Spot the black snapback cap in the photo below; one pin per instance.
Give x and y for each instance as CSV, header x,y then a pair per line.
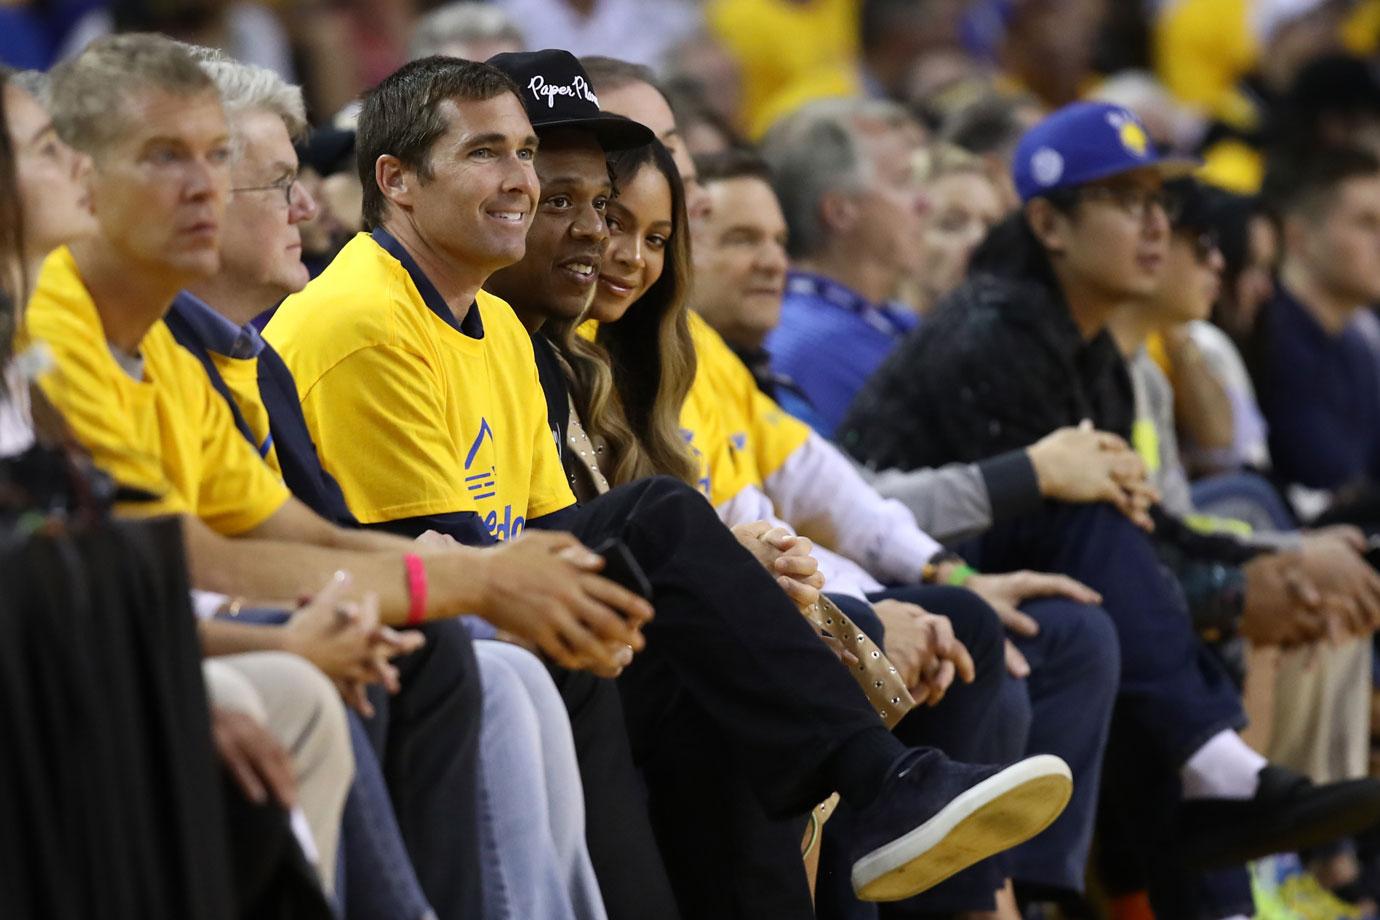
x,y
557,93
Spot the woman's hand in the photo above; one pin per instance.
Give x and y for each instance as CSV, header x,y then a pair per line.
x,y
347,643
787,556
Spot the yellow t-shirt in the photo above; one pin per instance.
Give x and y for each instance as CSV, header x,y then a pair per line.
x,y
241,376
724,471
790,52
1361,32
1202,49
761,435
169,434
411,415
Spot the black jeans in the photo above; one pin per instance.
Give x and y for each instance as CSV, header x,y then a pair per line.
x,y
427,740
733,672
618,831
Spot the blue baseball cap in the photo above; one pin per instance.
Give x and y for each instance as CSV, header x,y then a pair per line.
x,y
1084,142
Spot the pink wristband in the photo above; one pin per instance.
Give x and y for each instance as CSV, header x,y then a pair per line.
x,y
416,589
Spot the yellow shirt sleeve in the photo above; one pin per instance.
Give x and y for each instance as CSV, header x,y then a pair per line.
x,y
389,454
236,490
723,472
168,434
1361,32
1232,165
789,53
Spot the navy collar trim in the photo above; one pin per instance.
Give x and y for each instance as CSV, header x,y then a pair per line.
x,y
215,331
879,316
473,324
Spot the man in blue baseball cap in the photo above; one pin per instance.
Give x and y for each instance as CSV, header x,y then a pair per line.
x,y
1021,349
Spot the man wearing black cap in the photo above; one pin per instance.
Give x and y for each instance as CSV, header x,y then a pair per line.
x,y
422,394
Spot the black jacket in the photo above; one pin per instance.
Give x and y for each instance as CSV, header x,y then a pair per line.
x,y
999,365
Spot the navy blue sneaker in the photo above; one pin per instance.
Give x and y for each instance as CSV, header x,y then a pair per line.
x,y
935,817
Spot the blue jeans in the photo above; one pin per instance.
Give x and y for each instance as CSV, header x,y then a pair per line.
x,y
1075,668
1173,695
536,861
419,829
376,881
427,739
1173,690
533,859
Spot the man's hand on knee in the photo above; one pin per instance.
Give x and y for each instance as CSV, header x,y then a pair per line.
x,y
260,765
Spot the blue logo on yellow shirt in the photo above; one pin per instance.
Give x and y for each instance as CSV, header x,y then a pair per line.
x,y
703,482
483,484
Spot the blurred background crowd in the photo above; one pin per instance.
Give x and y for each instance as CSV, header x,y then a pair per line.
x,y
1227,80
1220,76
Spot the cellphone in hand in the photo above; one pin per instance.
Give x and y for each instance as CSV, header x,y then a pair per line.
x,y
621,568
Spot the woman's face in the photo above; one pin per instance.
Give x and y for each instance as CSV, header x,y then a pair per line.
x,y
1192,279
639,222
1256,282
52,178
963,207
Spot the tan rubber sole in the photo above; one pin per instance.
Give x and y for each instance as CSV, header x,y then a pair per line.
x,y
928,855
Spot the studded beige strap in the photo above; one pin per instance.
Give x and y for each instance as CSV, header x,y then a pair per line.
x,y
586,453
876,675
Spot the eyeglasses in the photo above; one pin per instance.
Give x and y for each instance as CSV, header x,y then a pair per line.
x,y
1134,200
284,185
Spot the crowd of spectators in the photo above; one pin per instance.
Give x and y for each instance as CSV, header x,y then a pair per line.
x,y
841,459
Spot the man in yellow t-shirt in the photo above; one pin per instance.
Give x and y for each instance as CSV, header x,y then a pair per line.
x,y
379,356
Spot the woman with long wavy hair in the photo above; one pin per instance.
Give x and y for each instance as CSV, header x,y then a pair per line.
x,y
632,366
44,203
11,232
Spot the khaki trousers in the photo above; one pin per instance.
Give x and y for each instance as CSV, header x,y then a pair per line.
x,y
301,708
1310,708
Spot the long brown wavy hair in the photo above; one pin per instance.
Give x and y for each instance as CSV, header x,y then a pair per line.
x,y
11,235
631,381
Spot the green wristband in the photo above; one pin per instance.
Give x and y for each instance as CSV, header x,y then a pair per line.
x,y
960,574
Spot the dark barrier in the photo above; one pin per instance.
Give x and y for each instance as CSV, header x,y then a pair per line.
x,y
110,800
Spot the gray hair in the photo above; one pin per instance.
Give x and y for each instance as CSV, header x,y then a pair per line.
x,y
813,152
941,159
87,93
459,24
250,88
33,82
